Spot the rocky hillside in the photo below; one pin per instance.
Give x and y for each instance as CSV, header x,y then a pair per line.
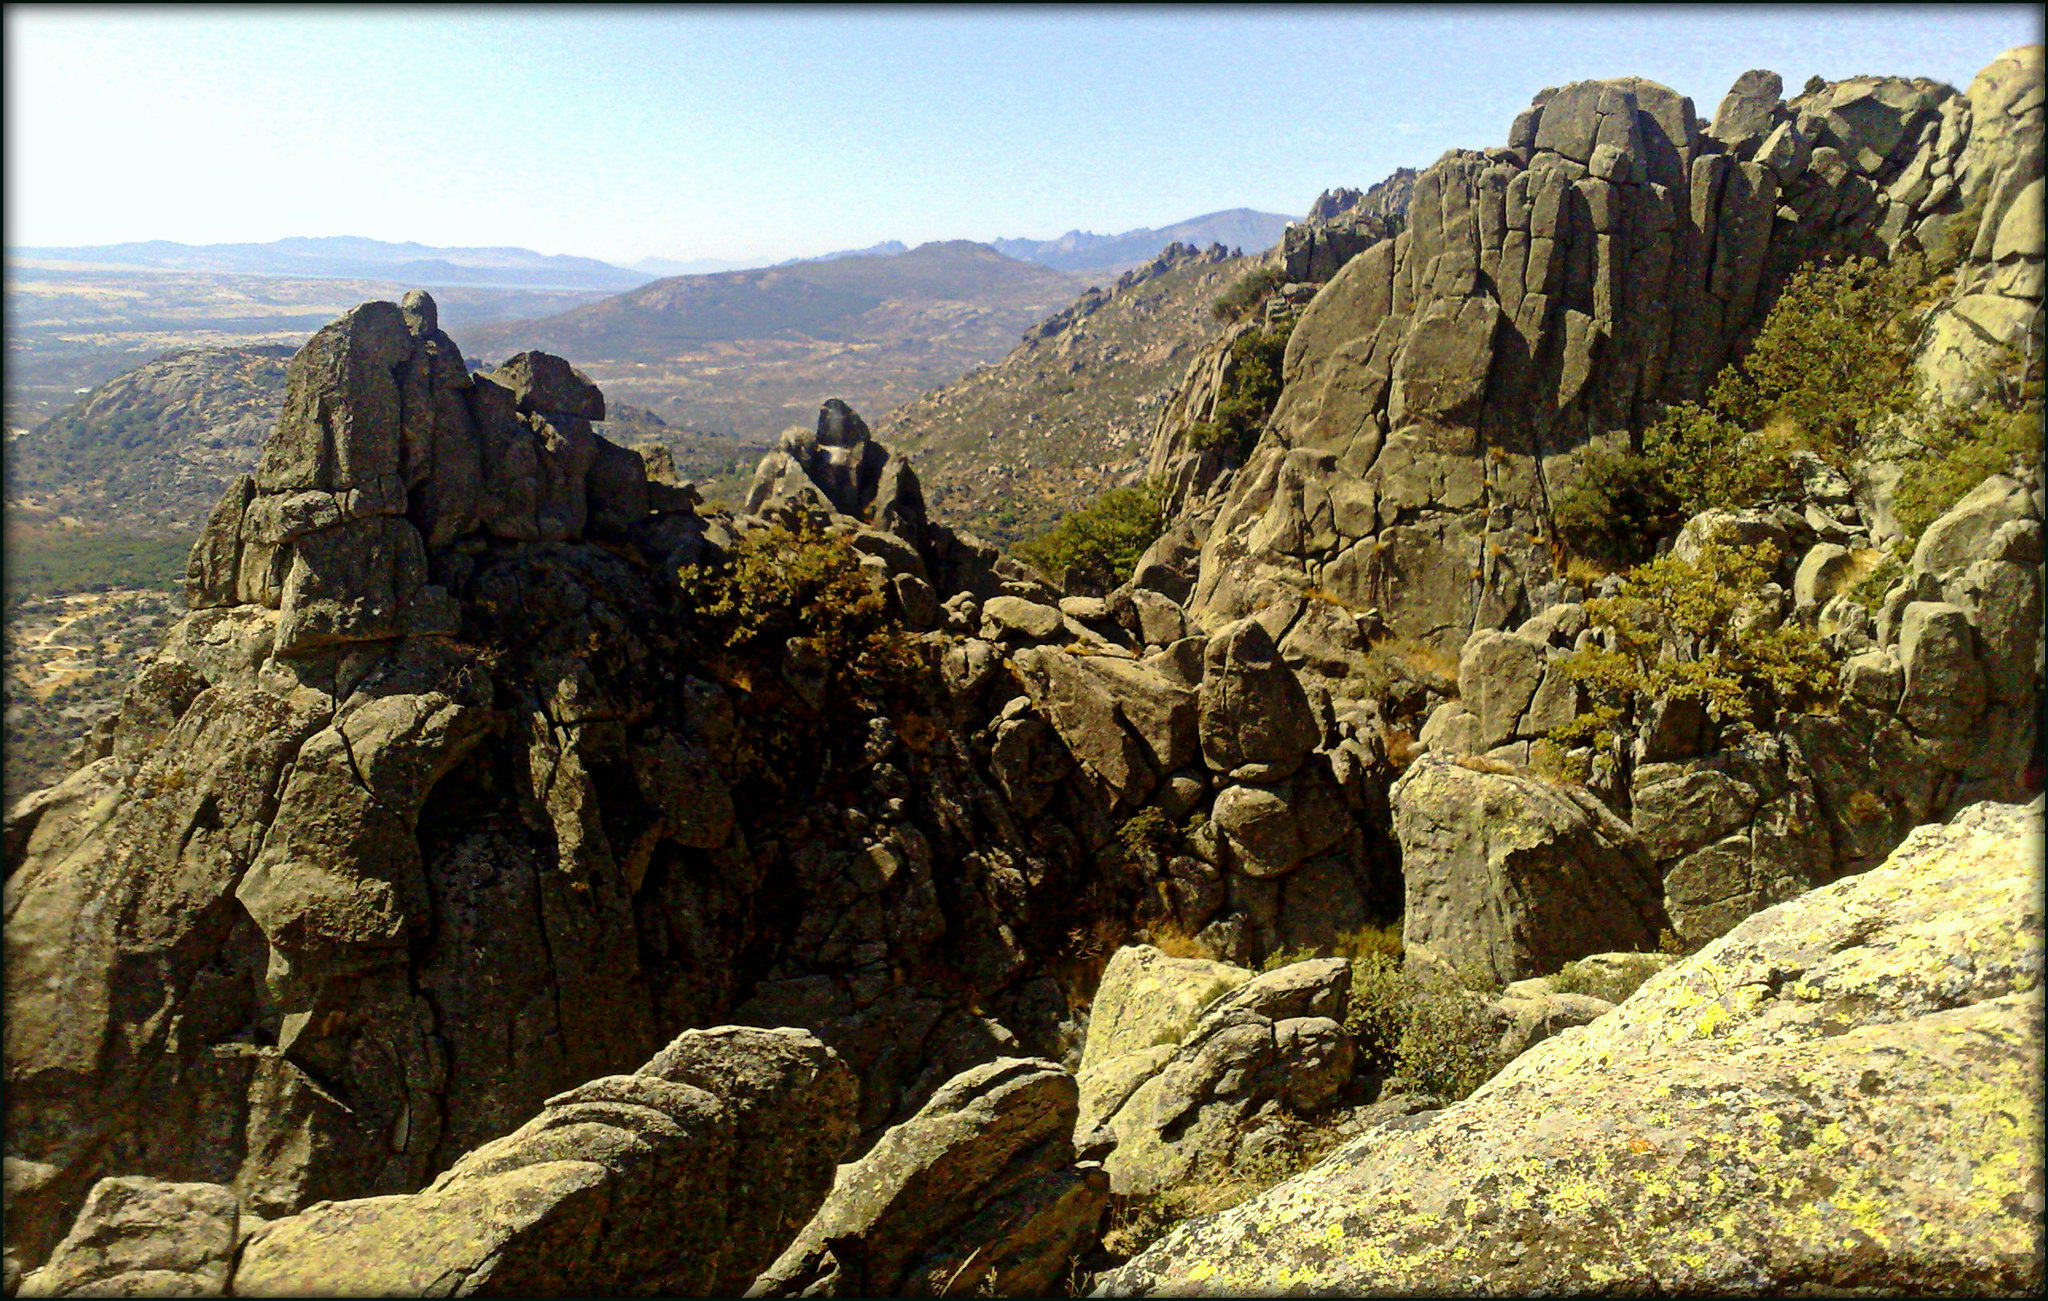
x,y
149,452
508,849
747,352
1009,448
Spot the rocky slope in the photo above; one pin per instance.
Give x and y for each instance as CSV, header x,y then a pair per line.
x,y
1793,1108
150,451
1009,448
487,763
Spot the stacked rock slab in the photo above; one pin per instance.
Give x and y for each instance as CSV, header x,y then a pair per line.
x,y
1825,1099
1607,261
979,1193
683,1178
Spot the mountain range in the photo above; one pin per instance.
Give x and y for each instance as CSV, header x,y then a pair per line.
x,y
359,258
1078,250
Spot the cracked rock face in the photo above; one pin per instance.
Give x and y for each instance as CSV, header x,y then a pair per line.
x,y
1607,261
1767,1115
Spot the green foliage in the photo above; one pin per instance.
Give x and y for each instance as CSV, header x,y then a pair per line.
x,y
1149,832
1611,981
1695,630
46,563
1103,541
1868,591
805,589
1287,956
1428,1027
1946,450
1616,507
1833,357
1831,364
1449,1046
1247,292
1251,388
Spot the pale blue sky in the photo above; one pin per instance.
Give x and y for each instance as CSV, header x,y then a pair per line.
x,y
741,133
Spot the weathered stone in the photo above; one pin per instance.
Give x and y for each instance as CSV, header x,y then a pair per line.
x,y
1255,720
1272,828
1498,674
644,1182
1945,690
1835,1024
144,1237
1275,1039
1964,533
1147,999
1013,616
1512,876
979,1188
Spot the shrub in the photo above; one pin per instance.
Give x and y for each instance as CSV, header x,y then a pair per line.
x,y
1250,389
1102,541
1688,630
1428,1028
1246,293
1149,831
802,587
1613,981
1831,364
1287,956
1833,356
1958,447
1449,1046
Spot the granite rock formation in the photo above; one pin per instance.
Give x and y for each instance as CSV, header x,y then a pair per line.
x,y
1759,1118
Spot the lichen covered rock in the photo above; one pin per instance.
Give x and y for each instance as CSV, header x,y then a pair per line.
x,y
1842,1093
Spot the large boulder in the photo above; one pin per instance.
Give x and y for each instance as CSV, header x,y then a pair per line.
x,y
683,1178
1274,1045
1825,1099
1511,876
1256,724
144,1237
979,1191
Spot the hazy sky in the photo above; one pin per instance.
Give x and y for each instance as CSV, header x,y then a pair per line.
x,y
745,133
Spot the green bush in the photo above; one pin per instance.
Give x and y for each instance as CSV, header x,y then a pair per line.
x,y
1830,365
1616,507
1251,388
802,587
1834,355
1946,450
1611,983
1428,1028
1149,832
1102,541
1689,630
1246,293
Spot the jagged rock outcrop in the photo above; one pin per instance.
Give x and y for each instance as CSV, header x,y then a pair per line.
x,y
686,1177
683,1178
1605,262
979,1192
1760,1118
144,1237
426,812
1510,877
1342,223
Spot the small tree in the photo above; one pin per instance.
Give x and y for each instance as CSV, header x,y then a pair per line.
x,y
1102,541
1695,630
